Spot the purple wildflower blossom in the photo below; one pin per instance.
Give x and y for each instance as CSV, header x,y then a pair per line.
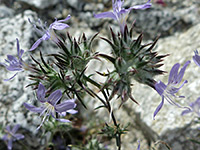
x,y
195,107
12,136
168,91
48,33
196,58
15,64
50,106
121,14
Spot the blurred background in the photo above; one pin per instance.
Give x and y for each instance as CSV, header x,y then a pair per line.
x,y
175,22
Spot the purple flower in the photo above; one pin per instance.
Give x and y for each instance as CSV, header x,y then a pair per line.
x,y
50,107
48,33
196,58
121,14
11,136
168,91
15,63
195,107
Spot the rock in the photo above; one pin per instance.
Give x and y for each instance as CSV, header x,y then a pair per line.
x,y
93,7
14,93
163,22
180,47
6,12
8,3
16,27
169,125
40,4
76,4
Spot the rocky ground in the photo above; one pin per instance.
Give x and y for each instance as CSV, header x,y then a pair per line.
x,y
177,23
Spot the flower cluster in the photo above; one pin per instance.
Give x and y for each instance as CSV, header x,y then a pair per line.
x,y
48,33
168,91
16,64
50,106
12,136
194,106
121,14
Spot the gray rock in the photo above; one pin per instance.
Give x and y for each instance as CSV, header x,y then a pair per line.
x,y
14,93
169,125
176,16
180,47
6,12
93,7
76,4
40,4
164,22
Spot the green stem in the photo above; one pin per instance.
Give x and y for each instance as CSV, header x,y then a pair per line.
x,y
107,105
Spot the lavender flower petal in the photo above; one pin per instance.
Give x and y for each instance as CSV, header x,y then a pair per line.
x,y
19,136
144,6
41,93
158,108
15,128
33,108
19,52
196,58
160,87
186,112
106,15
138,148
8,128
72,111
173,73
64,106
5,137
63,20
10,77
181,73
55,97
60,26
36,44
10,144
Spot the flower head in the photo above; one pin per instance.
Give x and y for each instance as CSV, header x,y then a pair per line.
x,y
48,33
15,63
11,136
50,107
121,14
195,107
196,58
168,91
